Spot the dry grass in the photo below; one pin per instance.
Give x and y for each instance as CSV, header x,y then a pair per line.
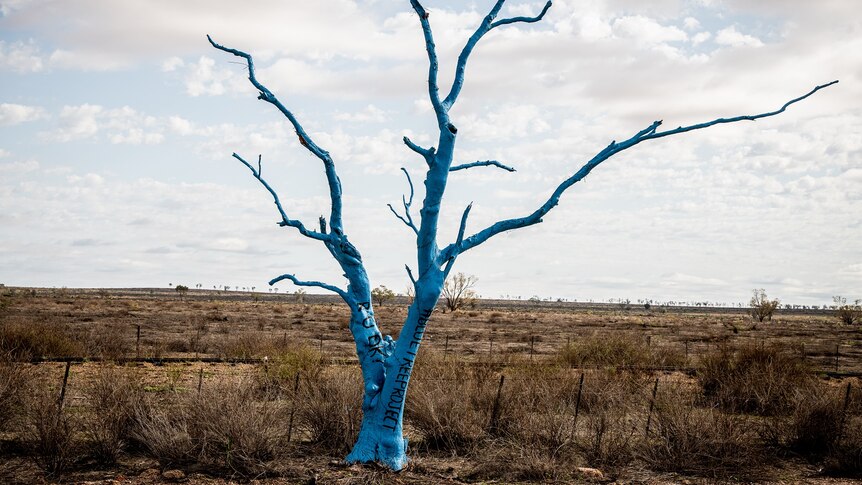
x,y
15,380
330,409
757,379
112,395
689,439
51,433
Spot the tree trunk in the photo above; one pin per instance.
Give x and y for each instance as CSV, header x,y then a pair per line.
x,y
381,437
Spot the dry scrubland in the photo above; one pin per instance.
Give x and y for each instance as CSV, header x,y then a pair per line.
x,y
744,403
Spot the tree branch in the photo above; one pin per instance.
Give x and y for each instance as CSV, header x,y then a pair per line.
x,y
486,25
527,20
450,256
343,294
304,139
648,133
485,163
407,219
285,221
433,89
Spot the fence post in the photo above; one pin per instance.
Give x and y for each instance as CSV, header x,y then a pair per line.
x,y
495,411
138,343
686,352
293,408
63,387
651,406
577,407
446,347
836,356
843,415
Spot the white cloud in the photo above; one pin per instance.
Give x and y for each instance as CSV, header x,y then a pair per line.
x,y
19,167
646,30
13,114
729,36
691,23
371,114
172,64
180,126
122,125
203,79
22,57
4,153
700,37
77,122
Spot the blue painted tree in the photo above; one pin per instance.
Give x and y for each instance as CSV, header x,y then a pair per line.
x,y
386,363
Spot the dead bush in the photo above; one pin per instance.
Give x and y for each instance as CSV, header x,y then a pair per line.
x,y
163,430
50,433
279,372
15,381
443,406
28,339
607,438
845,459
105,341
757,379
330,409
235,431
612,349
112,395
700,441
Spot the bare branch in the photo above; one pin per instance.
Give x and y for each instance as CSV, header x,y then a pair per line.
x,y
486,25
527,20
410,274
407,219
648,133
304,139
285,221
343,294
433,89
485,163
407,222
449,257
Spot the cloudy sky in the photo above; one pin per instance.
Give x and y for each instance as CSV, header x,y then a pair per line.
x,y
117,122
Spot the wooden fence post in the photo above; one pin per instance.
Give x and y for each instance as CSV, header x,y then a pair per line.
x,y
495,411
63,387
651,406
577,407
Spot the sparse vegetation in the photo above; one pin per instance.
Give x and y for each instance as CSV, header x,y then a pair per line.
x,y
848,313
381,295
762,308
458,291
751,406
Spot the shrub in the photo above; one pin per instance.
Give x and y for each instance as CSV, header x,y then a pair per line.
x,y
759,379
848,313
381,295
762,308
112,395
445,406
50,433
612,349
236,432
15,381
163,430
458,291
27,339
688,439
330,409
224,427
